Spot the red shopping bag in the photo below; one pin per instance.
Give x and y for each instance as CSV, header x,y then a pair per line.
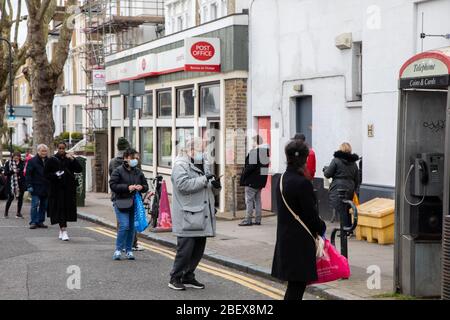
x,y
332,265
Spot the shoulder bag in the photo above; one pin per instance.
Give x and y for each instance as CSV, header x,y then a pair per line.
x,y
320,243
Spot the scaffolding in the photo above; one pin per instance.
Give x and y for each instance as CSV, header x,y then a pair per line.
x,y
110,26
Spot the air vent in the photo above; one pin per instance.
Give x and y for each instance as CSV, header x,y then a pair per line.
x,y
446,259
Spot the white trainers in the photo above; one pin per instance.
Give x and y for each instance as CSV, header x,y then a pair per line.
x,y
60,235
65,236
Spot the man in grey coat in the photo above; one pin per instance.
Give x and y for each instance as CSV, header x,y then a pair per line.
x,y
193,213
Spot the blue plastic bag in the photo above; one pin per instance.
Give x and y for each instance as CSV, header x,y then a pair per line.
x,y
140,218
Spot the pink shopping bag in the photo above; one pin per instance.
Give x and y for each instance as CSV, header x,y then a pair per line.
x,y
332,266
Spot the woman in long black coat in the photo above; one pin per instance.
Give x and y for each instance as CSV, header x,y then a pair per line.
x,y
346,176
295,250
62,202
15,183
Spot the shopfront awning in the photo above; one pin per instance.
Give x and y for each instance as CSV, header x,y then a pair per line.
x,y
427,70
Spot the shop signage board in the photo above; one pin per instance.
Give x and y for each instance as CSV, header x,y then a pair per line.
x,y
197,55
99,79
202,54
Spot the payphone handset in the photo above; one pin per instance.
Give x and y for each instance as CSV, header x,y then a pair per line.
x,y
428,175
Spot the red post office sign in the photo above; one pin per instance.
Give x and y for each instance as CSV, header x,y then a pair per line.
x,y
202,54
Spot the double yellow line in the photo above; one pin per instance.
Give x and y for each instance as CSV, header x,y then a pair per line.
x,y
247,282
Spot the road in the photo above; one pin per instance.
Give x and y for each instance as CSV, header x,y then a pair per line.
x,y
34,264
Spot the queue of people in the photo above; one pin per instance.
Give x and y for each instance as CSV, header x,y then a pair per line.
x,y
50,181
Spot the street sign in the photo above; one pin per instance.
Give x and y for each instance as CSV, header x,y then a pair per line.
x,y
138,87
11,124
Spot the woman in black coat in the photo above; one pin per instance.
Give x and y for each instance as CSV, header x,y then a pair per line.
x,y
62,202
345,174
295,250
15,183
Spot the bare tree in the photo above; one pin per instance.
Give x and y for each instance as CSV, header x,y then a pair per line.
x,y
44,75
9,30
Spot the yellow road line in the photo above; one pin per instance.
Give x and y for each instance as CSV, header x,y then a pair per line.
x,y
233,274
253,284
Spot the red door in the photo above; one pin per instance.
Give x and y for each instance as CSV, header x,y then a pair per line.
x,y
264,132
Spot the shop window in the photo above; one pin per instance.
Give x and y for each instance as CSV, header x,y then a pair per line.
x,y
116,104
165,104
146,149
185,102
133,143
147,107
210,100
165,147
183,136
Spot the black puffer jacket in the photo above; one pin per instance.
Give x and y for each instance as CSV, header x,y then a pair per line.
x,y
122,178
345,174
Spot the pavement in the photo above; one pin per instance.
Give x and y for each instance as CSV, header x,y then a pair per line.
x,y
250,250
35,264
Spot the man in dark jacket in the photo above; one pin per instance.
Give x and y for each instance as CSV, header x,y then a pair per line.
x,y
37,186
254,179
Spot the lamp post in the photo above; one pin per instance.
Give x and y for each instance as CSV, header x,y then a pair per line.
x,y
10,99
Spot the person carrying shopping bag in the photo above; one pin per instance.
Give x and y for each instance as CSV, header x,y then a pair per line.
x,y
295,249
126,181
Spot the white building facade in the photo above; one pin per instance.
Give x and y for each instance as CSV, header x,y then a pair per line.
x,y
330,69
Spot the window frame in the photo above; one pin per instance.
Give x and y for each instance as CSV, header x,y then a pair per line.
x,y
143,115
158,105
177,104
142,146
201,110
159,152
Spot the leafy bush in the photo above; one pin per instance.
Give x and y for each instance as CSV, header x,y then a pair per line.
x,y
77,135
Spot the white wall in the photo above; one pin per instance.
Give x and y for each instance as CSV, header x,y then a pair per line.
x,y
293,42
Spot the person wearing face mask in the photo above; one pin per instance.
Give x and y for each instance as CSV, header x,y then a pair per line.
x,y
125,182
60,171
193,212
116,162
15,185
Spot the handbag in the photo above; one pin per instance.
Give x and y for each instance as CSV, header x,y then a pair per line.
x,y
317,240
332,266
124,204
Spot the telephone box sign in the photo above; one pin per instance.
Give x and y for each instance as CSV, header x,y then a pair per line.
x,y
426,70
202,54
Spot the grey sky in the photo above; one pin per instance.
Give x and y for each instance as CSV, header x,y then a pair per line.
x,y
23,24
